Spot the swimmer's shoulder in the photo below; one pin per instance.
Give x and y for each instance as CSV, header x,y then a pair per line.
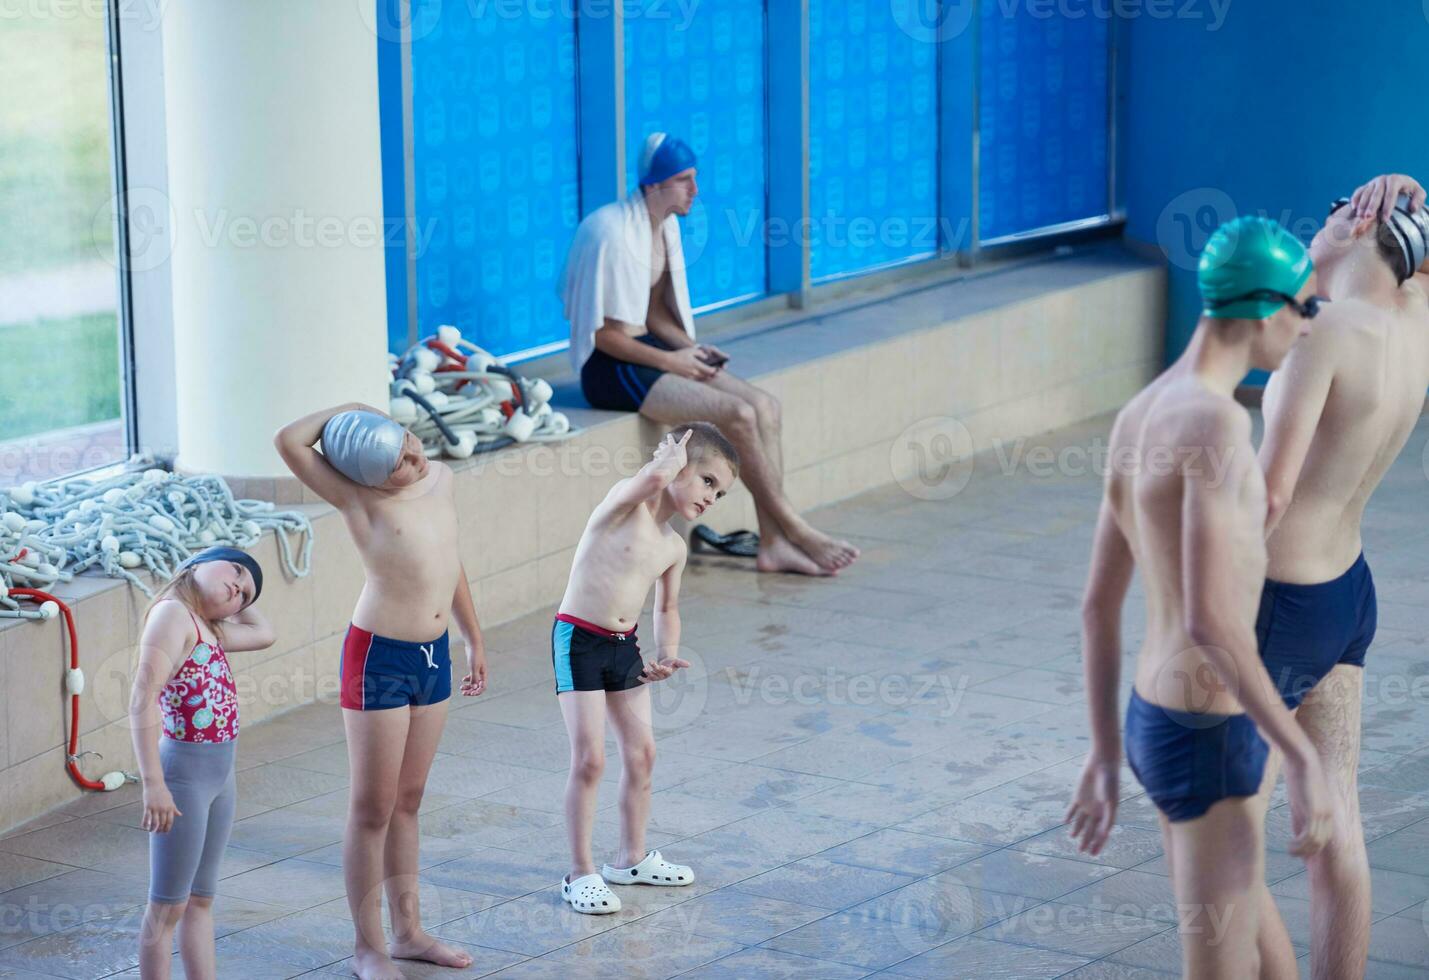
x,y
1190,415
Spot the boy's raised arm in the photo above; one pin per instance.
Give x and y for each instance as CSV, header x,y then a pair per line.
x,y
654,476
295,442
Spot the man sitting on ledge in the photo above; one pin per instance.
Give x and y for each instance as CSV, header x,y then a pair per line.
x,y
633,343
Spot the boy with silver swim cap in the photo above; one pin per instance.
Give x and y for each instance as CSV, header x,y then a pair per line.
x,y
1201,700
400,509
1337,414
363,446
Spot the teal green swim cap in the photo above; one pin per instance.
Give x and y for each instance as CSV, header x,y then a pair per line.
x,y
1246,261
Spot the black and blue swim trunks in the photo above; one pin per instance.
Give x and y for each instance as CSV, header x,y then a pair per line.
x,y
610,383
587,657
378,672
1188,761
1304,631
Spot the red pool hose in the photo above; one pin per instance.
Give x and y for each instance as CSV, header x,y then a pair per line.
x,y
72,760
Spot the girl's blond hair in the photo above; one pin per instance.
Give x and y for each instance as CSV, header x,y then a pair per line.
x,y
182,588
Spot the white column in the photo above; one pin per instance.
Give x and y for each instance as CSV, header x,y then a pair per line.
x,y
274,179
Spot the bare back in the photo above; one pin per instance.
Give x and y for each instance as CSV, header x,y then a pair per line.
x,y
1157,448
620,555
408,544
1379,376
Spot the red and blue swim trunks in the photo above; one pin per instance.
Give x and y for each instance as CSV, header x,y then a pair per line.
x,y
378,672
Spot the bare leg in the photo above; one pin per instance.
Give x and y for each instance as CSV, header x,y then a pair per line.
x,y
376,741
827,551
1339,874
156,939
674,399
630,717
196,939
409,940
1218,871
1277,956
584,712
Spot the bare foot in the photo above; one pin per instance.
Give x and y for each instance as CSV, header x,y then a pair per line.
x,y
829,552
371,964
430,949
779,554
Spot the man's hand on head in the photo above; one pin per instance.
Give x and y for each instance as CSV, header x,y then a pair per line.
x,y
1377,198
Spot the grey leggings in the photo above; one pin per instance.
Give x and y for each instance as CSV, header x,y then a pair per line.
x,y
184,860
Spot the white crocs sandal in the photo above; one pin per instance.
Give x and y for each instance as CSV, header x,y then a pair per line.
x,y
589,894
652,870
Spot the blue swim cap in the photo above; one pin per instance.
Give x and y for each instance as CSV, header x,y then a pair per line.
x,y
225,553
363,446
663,157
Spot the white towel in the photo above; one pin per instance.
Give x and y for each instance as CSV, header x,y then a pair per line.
x,y
607,273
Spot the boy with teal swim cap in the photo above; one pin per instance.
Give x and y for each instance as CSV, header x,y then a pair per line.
x,y
1250,269
1185,502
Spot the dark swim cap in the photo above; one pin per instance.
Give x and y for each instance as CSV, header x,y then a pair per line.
x,y
663,157
1249,264
224,553
1411,233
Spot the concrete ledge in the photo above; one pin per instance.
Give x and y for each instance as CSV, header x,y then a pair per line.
x,y
986,359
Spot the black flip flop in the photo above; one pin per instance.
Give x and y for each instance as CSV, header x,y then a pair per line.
x,y
736,544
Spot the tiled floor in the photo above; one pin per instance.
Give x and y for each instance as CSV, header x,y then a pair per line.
x,y
867,774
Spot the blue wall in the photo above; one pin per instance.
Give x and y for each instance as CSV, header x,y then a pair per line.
x,y
1289,104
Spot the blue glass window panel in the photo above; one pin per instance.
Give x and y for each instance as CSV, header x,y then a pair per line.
x,y
495,164
1043,119
702,79
873,138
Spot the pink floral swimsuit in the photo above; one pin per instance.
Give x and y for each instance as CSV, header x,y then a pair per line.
x,y
200,703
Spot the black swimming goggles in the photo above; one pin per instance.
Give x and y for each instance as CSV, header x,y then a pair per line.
x,y
1308,309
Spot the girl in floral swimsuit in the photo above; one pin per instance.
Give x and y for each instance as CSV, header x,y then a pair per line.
x,y
184,718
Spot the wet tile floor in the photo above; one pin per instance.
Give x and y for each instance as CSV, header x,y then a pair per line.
x,y
866,773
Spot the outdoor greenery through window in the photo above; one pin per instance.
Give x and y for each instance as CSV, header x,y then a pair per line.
x,y
60,375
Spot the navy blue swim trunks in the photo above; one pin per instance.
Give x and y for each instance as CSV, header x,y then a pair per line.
x,y
587,657
381,673
617,385
1304,631
1188,761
